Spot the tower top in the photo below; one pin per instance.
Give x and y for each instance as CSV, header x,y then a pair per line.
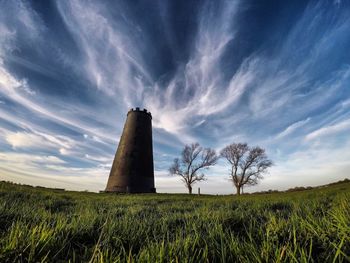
x,y
137,109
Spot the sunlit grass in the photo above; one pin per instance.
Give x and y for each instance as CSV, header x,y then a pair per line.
x,y
39,225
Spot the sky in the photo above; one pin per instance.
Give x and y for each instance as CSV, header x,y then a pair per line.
x,y
270,73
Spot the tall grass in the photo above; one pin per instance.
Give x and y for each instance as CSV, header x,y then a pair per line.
x,y
39,225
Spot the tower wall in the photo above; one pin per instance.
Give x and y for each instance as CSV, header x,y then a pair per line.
x,y
132,170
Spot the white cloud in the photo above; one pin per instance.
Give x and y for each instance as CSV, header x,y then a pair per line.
x,y
6,40
47,159
101,159
38,140
22,158
24,140
293,127
329,130
64,151
7,81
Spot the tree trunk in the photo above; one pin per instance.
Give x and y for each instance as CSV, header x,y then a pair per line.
x,y
238,189
189,189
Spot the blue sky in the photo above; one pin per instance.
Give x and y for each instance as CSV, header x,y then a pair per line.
x,y
270,73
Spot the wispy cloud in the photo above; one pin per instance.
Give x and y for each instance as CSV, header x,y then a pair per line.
x,y
38,140
23,158
343,126
291,128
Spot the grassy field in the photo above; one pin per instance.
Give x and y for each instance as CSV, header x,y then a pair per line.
x,y
41,225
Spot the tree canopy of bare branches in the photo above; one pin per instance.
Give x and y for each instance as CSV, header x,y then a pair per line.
x,y
193,159
247,164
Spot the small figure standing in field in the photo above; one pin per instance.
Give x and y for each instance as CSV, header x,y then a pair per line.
x,y
193,159
247,164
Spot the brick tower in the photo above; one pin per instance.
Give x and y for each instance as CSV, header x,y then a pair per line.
x,y
132,169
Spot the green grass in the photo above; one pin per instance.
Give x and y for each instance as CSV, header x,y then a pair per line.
x,y
39,225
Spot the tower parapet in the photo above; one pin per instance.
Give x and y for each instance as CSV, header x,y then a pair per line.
x,y
137,109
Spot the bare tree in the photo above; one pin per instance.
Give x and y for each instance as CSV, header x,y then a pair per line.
x,y
247,164
193,159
